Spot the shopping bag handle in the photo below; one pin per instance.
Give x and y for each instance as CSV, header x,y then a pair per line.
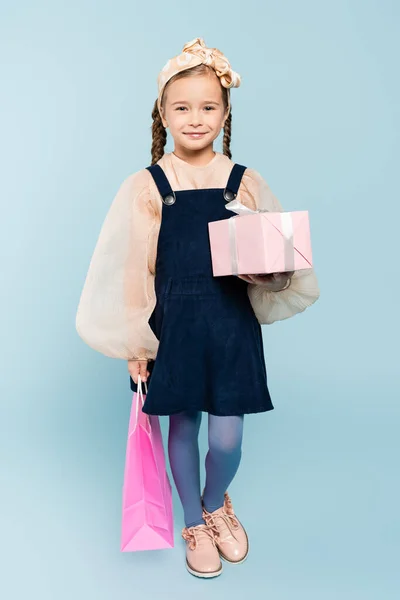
x,y
139,388
140,397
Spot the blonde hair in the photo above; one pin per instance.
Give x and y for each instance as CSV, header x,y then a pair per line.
x,y
159,133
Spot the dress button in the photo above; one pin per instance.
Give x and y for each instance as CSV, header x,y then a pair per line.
x,y
169,199
229,195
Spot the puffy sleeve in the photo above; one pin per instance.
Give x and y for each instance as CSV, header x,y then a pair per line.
x,y
118,295
303,290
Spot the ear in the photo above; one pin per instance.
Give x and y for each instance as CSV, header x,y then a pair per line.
x,y
164,122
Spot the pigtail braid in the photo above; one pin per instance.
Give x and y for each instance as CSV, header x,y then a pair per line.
x,y
159,134
227,136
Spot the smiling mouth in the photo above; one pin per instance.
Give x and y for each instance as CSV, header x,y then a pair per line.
x,y
196,133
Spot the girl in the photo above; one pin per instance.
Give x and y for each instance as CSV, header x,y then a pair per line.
x,y
150,297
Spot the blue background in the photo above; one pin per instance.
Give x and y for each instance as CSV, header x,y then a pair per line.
x,y
318,115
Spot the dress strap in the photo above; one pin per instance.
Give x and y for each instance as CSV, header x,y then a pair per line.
x,y
162,183
235,178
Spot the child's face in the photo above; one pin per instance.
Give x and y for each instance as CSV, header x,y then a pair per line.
x,y
194,105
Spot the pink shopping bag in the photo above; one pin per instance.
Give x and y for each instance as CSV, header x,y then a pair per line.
x,y
147,516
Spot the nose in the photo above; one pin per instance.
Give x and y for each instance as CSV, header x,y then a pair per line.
x,y
195,118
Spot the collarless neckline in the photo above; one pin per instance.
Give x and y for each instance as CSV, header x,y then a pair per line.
x,y
186,164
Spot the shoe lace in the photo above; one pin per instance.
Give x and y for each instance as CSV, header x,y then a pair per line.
x,y
228,508
217,522
226,518
193,535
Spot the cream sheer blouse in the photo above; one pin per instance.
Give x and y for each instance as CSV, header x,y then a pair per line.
x,y
118,295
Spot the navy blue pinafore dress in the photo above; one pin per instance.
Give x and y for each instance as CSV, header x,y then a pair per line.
x,y
210,356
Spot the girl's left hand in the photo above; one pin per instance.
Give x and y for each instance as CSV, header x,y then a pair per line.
x,y
273,282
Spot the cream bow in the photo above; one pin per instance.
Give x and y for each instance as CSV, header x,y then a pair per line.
x,y
215,59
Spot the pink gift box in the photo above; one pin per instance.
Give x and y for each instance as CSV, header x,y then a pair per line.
x,y
261,243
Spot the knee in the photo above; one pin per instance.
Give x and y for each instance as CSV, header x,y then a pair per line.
x,y
229,445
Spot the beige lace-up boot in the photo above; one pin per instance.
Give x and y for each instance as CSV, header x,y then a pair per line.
x,y
202,556
229,534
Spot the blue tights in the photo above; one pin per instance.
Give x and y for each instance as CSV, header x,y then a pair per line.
x,y
222,460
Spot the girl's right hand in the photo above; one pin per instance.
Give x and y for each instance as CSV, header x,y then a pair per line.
x,y
273,282
138,367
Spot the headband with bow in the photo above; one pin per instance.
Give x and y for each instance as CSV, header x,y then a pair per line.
x,y
196,53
